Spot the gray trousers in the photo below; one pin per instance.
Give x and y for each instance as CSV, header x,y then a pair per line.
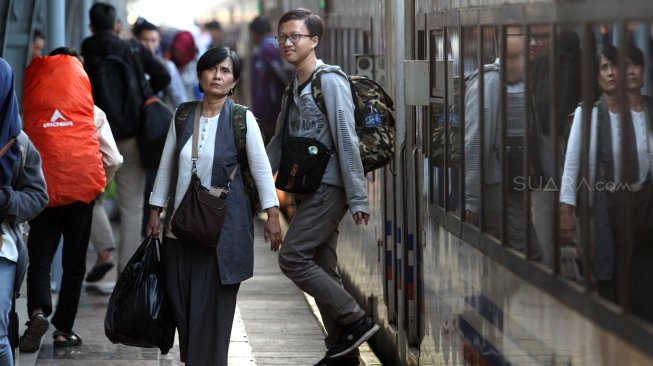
x,y
308,257
101,231
203,307
130,184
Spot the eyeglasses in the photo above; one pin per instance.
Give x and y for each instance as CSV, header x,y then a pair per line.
x,y
294,38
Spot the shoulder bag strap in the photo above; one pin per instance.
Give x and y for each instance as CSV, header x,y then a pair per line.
x,y
196,131
7,147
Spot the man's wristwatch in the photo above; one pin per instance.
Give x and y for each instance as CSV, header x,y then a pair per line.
x,y
156,208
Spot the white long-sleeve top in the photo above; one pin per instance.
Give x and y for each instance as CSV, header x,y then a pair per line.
x,y
111,157
569,186
259,164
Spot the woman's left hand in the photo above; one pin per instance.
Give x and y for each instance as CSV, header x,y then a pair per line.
x,y
272,231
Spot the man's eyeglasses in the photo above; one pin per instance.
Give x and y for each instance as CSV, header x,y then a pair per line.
x,y
294,38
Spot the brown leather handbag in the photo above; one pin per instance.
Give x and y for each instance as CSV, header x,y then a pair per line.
x,y
200,215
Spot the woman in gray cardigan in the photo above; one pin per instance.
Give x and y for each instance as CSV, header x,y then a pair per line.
x,y
22,196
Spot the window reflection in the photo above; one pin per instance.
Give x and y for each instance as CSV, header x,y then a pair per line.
x,y
617,185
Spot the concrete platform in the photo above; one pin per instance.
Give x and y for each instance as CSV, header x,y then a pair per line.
x,y
275,324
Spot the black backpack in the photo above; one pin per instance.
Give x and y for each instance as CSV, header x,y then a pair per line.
x,y
117,91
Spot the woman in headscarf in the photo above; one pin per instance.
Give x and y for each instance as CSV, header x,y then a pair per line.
x,y
22,196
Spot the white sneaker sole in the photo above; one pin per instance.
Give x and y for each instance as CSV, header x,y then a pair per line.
x,y
360,341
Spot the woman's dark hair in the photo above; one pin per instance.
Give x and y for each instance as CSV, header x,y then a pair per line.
x,y
214,56
610,53
103,16
313,22
634,54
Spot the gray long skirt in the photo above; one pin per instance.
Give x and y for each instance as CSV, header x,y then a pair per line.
x,y
203,307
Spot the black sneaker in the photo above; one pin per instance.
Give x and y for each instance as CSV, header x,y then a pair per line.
x,y
353,335
343,361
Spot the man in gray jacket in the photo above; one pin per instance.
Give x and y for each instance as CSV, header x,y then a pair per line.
x,y
518,182
308,256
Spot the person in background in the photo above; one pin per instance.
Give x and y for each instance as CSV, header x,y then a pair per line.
x,y
616,163
515,135
101,232
59,118
148,34
183,53
23,195
173,95
130,178
269,77
203,282
215,30
308,256
38,44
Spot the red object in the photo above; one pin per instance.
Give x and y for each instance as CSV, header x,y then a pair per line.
x,y
58,118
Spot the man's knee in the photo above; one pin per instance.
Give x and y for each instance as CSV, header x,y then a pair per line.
x,y
287,264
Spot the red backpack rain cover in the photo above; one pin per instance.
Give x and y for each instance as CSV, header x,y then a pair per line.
x,y
58,117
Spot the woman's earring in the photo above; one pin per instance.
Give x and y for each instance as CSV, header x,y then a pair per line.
x,y
231,92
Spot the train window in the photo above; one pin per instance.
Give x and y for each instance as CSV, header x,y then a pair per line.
x,y
451,117
602,214
554,89
483,134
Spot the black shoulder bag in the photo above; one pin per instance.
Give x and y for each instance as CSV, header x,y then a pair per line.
x,y
200,215
303,160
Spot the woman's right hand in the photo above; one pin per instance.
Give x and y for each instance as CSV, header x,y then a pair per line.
x,y
153,224
567,224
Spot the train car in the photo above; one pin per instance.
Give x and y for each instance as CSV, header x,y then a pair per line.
x,y
487,283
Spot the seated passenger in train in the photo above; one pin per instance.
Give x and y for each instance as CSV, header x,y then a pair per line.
x,y
517,186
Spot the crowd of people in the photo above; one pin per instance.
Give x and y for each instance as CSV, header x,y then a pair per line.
x,y
58,186
85,135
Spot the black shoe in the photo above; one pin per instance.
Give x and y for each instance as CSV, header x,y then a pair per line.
x,y
30,341
98,271
353,335
343,361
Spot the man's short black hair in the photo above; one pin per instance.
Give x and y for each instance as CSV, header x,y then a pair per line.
x,y
313,22
260,25
103,16
141,25
213,25
39,34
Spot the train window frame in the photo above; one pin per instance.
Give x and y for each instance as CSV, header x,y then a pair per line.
x,y
547,279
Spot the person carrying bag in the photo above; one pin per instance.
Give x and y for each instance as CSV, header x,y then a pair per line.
x,y
208,243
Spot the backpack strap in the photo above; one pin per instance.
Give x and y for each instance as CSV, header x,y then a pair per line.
x,y
239,125
182,112
316,85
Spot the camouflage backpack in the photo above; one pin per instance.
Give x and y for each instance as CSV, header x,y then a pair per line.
x,y
372,112
239,125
